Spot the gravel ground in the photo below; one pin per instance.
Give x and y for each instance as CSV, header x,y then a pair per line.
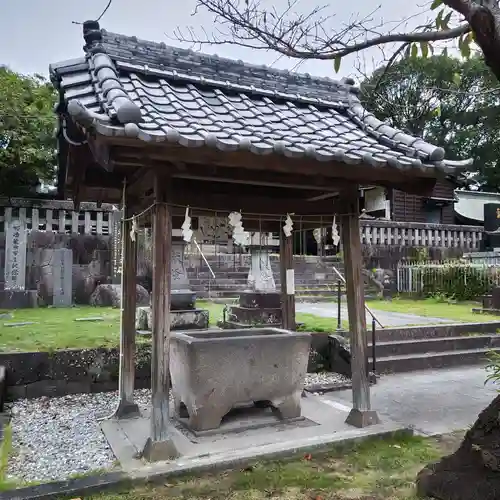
x,y
326,379
55,438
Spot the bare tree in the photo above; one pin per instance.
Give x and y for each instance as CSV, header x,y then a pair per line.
x,y
306,36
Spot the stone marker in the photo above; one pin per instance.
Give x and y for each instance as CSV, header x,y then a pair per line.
x,y
260,304
62,272
181,296
96,318
15,255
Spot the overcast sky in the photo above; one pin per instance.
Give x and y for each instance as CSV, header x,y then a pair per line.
x,y
34,33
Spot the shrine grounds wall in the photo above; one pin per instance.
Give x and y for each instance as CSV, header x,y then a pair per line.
x,y
59,373
91,262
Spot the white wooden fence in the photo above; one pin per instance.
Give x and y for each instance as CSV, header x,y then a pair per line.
x,y
388,233
58,216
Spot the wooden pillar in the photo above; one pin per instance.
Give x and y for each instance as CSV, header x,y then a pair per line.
x,y
287,279
160,445
126,406
361,414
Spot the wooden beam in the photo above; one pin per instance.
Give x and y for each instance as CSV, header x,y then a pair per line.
x,y
160,445
213,173
287,281
361,414
253,201
126,406
78,160
101,152
359,173
141,181
217,173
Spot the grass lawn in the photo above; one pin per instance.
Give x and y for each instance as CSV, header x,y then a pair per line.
x,y
461,311
57,328
373,470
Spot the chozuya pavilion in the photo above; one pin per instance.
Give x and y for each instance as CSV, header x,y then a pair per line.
x,y
161,129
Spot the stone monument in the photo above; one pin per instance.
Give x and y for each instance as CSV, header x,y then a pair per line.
x,y
184,315
62,275
260,304
14,295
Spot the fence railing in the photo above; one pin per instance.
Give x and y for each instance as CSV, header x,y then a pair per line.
x,y
57,216
425,278
413,234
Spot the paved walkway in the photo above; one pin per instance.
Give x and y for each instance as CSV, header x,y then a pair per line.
x,y
432,401
329,310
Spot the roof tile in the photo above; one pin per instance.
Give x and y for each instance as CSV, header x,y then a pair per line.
x,y
196,100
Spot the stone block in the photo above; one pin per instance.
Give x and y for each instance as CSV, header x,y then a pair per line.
x,y
260,300
193,319
18,299
340,356
254,316
180,300
217,370
109,295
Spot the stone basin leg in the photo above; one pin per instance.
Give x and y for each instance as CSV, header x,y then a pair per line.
x,y
207,417
200,418
180,408
289,406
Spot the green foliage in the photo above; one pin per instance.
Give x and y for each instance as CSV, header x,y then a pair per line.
x,y
455,281
493,367
449,102
336,64
27,140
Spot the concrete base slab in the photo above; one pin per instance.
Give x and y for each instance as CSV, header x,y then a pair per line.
x,y
323,424
125,409
244,419
156,451
360,419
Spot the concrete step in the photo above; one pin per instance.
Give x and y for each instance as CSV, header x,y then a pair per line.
x,y
314,298
205,273
434,345
223,279
436,331
221,294
312,292
432,360
218,274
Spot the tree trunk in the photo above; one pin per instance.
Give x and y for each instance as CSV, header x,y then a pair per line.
x,y
483,17
473,471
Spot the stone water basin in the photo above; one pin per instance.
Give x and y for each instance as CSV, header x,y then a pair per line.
x,y
216,370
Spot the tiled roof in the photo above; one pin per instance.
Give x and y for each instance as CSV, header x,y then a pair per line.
x,y
130,87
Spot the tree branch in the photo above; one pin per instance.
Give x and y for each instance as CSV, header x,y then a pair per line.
x,y
305,36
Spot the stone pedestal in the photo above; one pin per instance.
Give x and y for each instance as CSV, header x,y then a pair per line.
x,y
182,298
260,305
18,299
194,319
184,315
